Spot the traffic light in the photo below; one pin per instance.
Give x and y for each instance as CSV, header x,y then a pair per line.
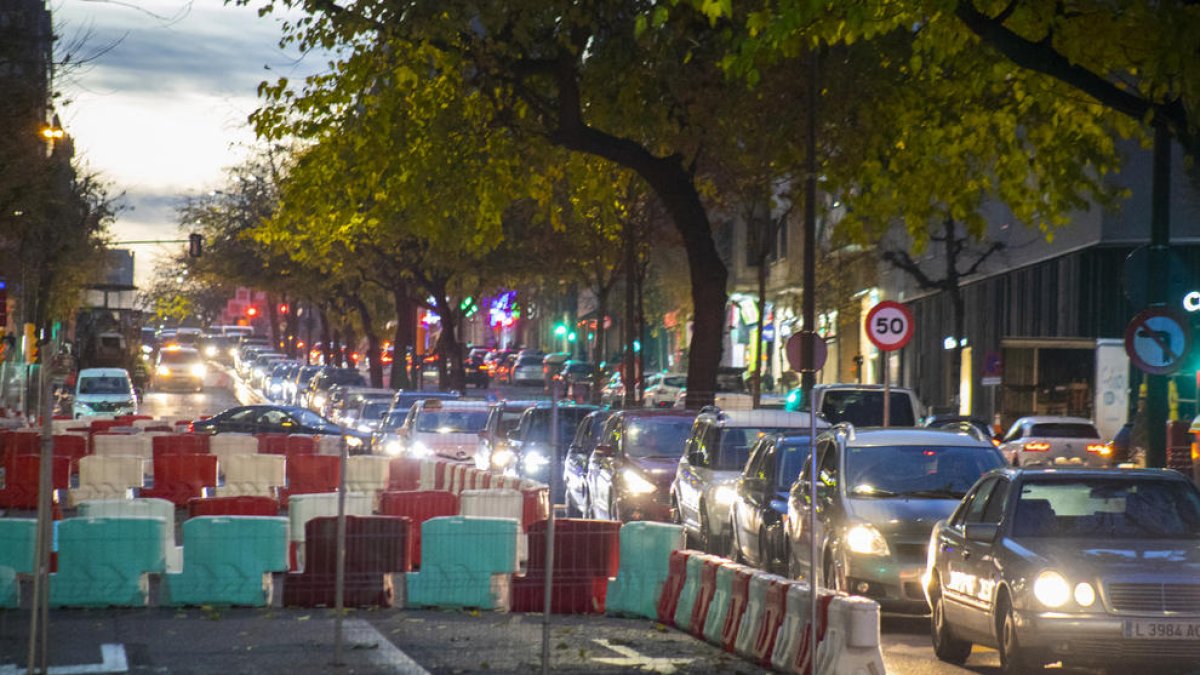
x,y
251,312
560,329
283,308
195,245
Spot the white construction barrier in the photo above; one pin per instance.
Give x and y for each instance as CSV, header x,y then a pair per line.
x,y
497,504
852,641
367,473
228,445
252,475
107,477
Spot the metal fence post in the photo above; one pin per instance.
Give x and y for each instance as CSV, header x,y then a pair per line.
x,y
339,588
555,470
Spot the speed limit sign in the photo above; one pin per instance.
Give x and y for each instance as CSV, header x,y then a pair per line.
x,y
889,325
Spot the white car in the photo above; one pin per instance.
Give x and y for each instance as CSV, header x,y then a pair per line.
x,y
527,370
1055,441
663,389
444,429
103,391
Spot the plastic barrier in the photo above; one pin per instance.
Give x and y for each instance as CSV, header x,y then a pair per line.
x,y
299,444
18,537
404,473
646,550
20,488
178,478
497,504
377,547
72,447
140,508
752,617
586,555
704,596
303,508
739,595
272,444
97,424
109,444
535,503
311,474
179,444
668,598
851,645
451,578
225,446
233,506
252,475
418,506
774,608
329,444
104,561
692,591
228,561
367,473
722,610
792,647
107,477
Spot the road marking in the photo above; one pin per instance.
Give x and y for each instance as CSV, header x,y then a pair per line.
x,y
382,655
631,658
113,662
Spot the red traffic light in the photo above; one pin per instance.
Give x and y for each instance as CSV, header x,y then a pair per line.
x,y
251,312
283,308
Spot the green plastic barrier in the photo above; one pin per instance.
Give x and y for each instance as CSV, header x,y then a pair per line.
x,y
103,562
227,560
687,596
718,607
460,555
18,539
142,507
645,562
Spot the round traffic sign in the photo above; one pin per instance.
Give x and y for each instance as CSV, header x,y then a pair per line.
x,y
801,346
1158,341
889,325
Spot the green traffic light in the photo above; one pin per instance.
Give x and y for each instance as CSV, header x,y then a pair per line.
x,y
792,402
560,330
571,336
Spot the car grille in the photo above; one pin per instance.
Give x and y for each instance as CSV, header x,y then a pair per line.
x,y
911,551
1156,598
1100,650
106,406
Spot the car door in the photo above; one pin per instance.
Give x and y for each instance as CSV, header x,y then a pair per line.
x,y
692,472
800,505
746,510
955,566
576,465
982,563
241,421
601,467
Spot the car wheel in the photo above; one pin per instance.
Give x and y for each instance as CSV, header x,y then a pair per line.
x,y
947,647
734,552
1013,659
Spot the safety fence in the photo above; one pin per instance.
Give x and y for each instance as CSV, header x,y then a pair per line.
x,y
147,514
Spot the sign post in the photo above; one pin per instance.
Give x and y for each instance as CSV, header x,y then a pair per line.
x,y
889,327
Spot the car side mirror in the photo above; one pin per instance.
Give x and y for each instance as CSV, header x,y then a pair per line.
x,y
984,533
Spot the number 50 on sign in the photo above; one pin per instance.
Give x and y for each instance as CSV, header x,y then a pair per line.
x,y
889,325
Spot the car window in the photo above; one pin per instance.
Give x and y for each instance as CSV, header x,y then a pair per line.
x,y
865,408
1063,430
680,381
979,502
996,503
246,415
450,421
656,437
733,447
1014,432
828,471
311,419
791,457
1108,508
275,418
760,455
918,471
104,385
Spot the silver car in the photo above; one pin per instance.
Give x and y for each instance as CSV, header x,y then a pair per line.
x,y
1086,567
1055,441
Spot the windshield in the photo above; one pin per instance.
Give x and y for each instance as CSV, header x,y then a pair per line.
x,y
344,376
1063,430
451,421
178,357
104,385
790,459
929,471
729,382
657,437
680,381
734,447
1108,508
307,373
865,408
374,411
568,420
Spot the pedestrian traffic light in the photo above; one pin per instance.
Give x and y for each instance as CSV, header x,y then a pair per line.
x,y
195,245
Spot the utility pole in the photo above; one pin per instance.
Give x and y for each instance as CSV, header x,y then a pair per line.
x,y
1160,240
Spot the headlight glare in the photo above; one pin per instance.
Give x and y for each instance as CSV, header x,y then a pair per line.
x,y
419,449
392,447
865,539
636,483
1051,589
534,461
725,494
353,441
1085,595
162,370
502,458
199,370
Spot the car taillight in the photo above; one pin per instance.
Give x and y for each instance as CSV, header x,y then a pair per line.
x,y
191,427
1038,446
1099,449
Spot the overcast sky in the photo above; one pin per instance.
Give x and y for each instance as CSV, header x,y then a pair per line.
x,y
162,108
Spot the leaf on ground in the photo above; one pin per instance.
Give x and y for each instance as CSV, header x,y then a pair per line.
x,y
306,617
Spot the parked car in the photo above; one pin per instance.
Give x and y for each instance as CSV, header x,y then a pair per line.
x,y
179,368
443,429
879,493
1093,568
575,466
276,419
386,438
526,370
631,469
662,389
713,456
531,442
759,509
860,404
1055,441
492,452
103,391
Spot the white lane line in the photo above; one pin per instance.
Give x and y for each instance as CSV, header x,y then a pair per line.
x,y
381,654
113,662
632,659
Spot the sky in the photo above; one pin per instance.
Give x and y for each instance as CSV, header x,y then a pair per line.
x,y
160,109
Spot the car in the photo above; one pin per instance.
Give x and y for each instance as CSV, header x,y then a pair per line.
x,y
343,398
322,382
1056,441
278,375
526,370
445,430
536,454
631,469
955,422
276,419
103,391
879,493
860,404
759,508
385,440
551,365
1090,567
575,466
612,392
367,416
179,368
295,387
474,371
713,456
492,453
260,366
662,389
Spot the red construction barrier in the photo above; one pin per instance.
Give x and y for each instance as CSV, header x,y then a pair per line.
x,y
441,475
308,474
773,613
272,444
103,425
299,444
804,656
19,443
180,478
708,585
737,606
404,473
536,506
586,555
233,506
179,444
20,488
418,506
376,548
676,575
485,481
128,420
73,447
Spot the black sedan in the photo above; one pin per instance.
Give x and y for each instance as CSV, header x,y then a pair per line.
x,y
758,510
277,419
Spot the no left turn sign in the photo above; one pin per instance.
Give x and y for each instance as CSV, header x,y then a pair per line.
x,y
889,325
1158,340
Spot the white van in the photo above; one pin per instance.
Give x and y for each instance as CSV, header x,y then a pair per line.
x,y
103,391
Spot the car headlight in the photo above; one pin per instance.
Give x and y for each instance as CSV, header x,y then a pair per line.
x,y
636,483
865,539
210,351
353,441
147,349
1051,589
534,461
392,447
162,370
502,458
233,352
725,494
419,449
1085,595
199,370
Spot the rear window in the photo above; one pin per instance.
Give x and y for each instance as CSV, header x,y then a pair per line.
x,y
529,361
680,381
1063,430
865,408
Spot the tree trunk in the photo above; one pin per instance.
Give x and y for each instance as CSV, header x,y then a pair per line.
x,y
351,341
309,328
630,377
328,335
953,248
291,324
273,319
374,367
601,335
403,336
450,351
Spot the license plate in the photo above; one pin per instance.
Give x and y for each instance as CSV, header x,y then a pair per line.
x,y
1146,629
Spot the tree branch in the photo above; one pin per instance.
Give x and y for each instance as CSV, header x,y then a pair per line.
x,y
993,248
903,262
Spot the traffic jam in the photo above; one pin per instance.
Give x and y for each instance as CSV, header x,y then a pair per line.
x,y
1035,541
